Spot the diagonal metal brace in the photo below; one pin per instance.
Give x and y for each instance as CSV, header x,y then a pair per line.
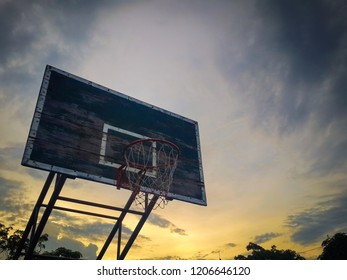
x,y
117,225
139,226
31,225
60,181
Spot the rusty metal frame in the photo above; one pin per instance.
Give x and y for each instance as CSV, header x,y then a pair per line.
x,y
35,227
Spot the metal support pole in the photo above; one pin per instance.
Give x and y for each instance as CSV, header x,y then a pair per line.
x,y
146,200
138,227
33,229
117,225
119,241
60,181
31,225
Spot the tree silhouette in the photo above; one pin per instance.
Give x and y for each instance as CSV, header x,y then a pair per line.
x,y
334,248
259,253
4,231
62,252
9,244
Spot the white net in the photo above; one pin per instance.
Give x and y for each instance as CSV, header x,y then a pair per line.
x,y
149,168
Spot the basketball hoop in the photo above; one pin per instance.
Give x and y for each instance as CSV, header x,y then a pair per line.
x,y
149,165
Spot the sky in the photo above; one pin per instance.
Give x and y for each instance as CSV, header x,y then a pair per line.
x,y
266,80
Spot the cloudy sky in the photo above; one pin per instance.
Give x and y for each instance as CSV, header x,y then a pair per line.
x,y
265,79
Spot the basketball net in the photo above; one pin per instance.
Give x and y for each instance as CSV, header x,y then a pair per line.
x,y
149,165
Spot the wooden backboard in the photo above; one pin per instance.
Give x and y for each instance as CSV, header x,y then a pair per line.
x,y
80,129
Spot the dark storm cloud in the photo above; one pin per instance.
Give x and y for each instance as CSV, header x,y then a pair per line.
x,y
314,224
13,201
77,228
259,239
331,158
156,220
88,251
10,157
94,230
16,38
312,35
35,33
7,188
54,242
24,23
309,31
74,229
290,62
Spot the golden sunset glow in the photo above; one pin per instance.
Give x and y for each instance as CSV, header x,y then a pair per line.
x,y
264,81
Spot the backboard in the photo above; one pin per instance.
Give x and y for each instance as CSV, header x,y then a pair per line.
x,y
80,129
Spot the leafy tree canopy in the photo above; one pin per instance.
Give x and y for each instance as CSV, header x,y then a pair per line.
x,y
62,252
259,253
9,243
334,248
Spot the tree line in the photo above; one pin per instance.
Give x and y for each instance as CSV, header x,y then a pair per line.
x,y
333,248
